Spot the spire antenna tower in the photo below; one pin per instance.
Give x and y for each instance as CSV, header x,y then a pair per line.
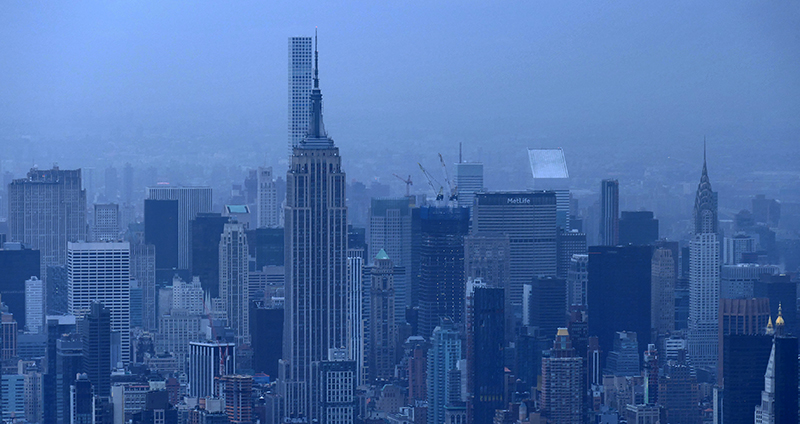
x,y
316,60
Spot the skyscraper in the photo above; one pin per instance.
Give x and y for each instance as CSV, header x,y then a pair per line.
x,y
106,222
638,227
609,212
662,292
34,305
383,329
161,232
206,231
443,357
704,277
577,279
390,230
191,201
547,305
95,331
550,173
233,280
208,361
779,397
619,293
469,181
101,272
529,220
268,216
317,307
300,80
485,343
440,282
46,210
17,264
562,382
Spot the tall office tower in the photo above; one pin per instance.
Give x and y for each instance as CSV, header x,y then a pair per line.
x,y
206,231
205,366
101,272
781,291
623,360
358,317
317,310
440,279
569,243
300,82
562,382
577,279
609,212
68,362
34,305
594,371
188,296
267,325
95,330
234,286
237,390
82,401
486,257
390,230
650,371
191,201
106,222
485,343
547,305
779,397
744,360
127,183
143,270
638,228
619,293
678,394
46,210
8,335
550,173
383,329
267,199
741,316
335,400
161,231
443,357
662,293
17,264
13,400
704,281
469,181
529,220
735,246
767,211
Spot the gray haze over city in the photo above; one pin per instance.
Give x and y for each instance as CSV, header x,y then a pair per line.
x,y
195,93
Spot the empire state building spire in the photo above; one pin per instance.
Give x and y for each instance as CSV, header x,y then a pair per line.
x,y
316,137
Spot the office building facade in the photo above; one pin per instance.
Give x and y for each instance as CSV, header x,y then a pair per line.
x,y
46,210
191,201
101,272
268,213
529,220
469,181
485,344
233,280
609,212
300,84
207,362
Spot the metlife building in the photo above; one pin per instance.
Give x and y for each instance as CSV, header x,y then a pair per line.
x,y
528,218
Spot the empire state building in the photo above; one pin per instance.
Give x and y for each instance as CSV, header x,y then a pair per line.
x,y
316,309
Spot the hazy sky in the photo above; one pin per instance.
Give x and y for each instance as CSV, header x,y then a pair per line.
x,y
438,70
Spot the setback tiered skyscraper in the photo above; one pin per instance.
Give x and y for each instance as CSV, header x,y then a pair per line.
x,y
300,81
704,277
317,307
268,216
233,280
46,210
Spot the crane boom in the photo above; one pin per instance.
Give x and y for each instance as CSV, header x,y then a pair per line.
x,y
408,182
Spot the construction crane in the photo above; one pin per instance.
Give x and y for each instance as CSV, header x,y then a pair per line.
x,y
408,182
431,180
453,189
